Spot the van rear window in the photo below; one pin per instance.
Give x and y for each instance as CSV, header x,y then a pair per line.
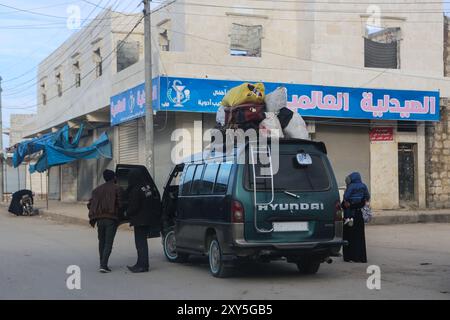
x,y
293,177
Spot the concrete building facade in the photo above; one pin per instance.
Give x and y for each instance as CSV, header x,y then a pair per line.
x,y
290,42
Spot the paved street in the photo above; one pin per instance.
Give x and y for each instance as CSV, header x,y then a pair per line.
x,y
35,252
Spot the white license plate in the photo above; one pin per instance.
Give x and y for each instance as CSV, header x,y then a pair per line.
x,y
290,226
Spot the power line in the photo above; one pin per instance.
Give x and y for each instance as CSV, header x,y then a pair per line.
x,y
421,11
87,74
74,42
34,106
39,13
39,8
311,20
28,71
72,45
311,60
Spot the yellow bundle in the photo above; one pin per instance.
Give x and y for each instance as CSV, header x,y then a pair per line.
x,y
246,93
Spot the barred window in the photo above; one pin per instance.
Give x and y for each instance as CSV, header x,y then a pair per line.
x,y
382,48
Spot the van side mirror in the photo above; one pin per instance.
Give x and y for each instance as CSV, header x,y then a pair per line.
x,y
304,159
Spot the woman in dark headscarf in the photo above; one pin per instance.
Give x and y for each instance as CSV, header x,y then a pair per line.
x,y
355,197
141,212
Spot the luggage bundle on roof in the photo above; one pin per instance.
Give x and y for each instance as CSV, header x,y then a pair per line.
x,y
248,107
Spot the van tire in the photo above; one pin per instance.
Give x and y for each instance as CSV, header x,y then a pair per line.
x,y
308,267
169,247
215,258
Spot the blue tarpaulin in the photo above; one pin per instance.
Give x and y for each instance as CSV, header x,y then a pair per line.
x,y
58,148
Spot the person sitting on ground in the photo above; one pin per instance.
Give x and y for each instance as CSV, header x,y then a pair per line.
x,y
16,207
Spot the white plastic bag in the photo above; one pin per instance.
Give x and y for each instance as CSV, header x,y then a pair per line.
x,y
296,128
220,116
367,213
271,126
276,100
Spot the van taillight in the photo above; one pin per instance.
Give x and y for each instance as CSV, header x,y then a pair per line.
x,y
237,212
338,211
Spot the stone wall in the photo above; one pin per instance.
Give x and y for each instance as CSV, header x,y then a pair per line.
x,y
437,165
447,46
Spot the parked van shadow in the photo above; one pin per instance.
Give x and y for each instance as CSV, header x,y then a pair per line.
x,y
258,270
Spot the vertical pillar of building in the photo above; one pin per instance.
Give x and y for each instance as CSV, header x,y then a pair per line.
x,y
421,177
384,174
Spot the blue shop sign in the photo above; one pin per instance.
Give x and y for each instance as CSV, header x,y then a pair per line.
x,y
205,95
130,104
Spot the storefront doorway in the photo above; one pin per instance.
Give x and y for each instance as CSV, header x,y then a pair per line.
x,y
407,173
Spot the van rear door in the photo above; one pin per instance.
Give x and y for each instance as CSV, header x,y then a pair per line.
x,y
122,172
303,207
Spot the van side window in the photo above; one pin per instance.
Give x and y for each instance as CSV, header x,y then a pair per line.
x,y
222,178
187,180
197,179
209,177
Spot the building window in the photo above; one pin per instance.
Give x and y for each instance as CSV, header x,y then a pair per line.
x,y
77,73
245,40
43,94
59,84
163,35
382,48
98,60
127,54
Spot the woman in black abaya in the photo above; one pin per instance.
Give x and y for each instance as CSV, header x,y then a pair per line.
x,y
355,197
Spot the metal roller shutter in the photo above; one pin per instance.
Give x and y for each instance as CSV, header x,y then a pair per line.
x,y
348,148
54,183
129,143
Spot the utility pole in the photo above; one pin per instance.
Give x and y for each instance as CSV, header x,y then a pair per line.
x,y
149,156
1,144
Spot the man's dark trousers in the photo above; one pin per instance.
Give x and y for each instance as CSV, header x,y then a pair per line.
x,y
107,229
140,239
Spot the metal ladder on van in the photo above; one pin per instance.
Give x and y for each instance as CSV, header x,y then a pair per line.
x,y
254,154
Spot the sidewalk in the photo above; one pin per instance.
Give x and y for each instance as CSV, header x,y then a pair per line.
x,y
77,213
64,212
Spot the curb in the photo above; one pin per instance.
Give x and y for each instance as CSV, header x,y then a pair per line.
x,y
409,219
62,218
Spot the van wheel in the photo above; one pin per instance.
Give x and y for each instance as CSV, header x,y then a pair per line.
x,y
170,248
308,267
216,264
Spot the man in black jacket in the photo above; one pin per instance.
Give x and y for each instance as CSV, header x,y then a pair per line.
x,y
143,214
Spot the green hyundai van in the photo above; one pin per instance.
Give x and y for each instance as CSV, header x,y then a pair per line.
x,y
214,205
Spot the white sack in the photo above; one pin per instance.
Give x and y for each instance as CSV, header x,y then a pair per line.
x,y
276,100
296,128
271,126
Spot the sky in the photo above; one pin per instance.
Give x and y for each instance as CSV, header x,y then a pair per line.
x,y
27,38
